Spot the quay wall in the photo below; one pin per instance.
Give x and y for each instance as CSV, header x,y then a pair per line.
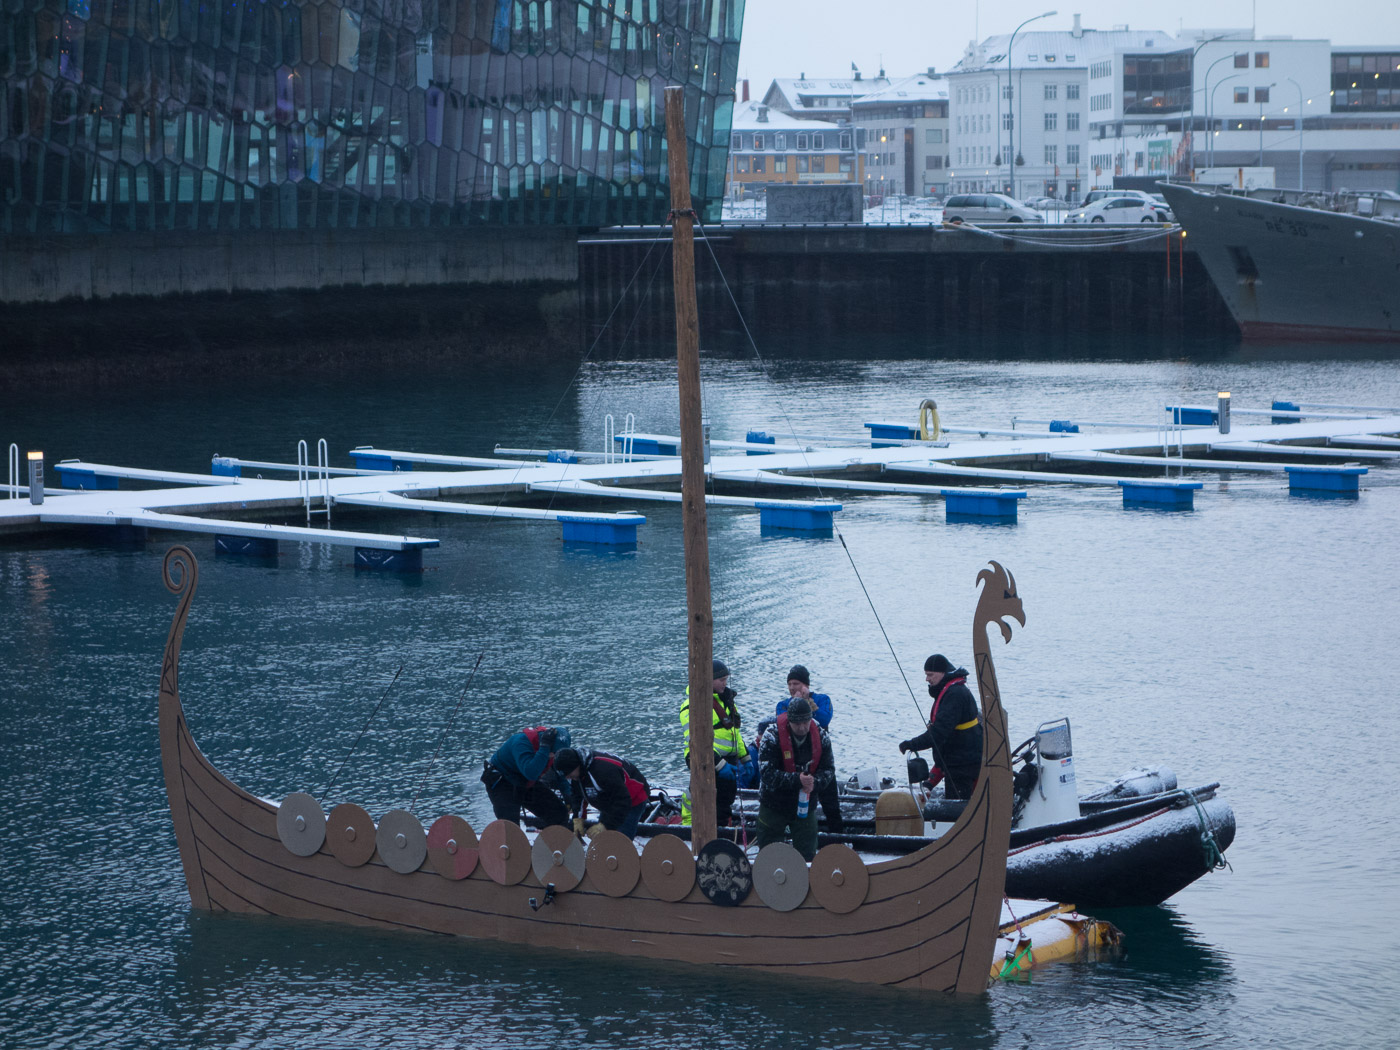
x,y
1045,289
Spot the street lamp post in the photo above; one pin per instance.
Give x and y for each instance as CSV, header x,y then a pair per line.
x,y
1300,131
1012,94
1205,89
1210,109
1261,121
1191,106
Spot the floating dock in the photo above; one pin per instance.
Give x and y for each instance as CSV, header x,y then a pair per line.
x,y
1318,457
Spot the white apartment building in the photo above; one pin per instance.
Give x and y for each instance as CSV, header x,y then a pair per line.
x,y
1064,112
1019,109
820,98
903,132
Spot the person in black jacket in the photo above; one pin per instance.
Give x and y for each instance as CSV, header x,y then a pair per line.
x,y
795,764
954,729
614,786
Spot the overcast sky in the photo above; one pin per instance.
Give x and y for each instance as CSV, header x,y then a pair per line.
x,y
783,38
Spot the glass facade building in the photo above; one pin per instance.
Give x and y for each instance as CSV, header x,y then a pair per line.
x,y
297,114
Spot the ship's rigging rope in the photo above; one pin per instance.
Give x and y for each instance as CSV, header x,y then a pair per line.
x,y
356,744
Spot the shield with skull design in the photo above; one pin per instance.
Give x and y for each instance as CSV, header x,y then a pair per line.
x,y
723,872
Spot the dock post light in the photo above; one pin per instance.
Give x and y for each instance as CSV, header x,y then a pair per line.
x,y
1222,410
36,477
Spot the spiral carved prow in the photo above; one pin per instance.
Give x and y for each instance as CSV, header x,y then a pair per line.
x,y
999,600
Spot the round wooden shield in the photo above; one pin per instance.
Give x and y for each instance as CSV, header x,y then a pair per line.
x,y
452,847
301,823
613,863
839,879
504,852
780,876
350,832
724,872
401,841
668,869
558,857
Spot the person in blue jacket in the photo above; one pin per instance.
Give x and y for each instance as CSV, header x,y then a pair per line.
x,y
799,683
520,774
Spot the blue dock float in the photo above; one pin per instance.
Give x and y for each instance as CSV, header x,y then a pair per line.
x,y
789,518
759,437
1285,406
885,435
1192,417
379,559
245,546
611,530
1325,482
645,446
86,480
1160,495
991,506
367,460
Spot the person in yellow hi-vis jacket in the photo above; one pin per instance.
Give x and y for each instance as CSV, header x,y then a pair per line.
x,y
730,752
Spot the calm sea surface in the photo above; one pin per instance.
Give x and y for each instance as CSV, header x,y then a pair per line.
x,y
1251,641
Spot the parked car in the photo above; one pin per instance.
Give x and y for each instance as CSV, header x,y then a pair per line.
x,y
987,207
1164,212
1116,209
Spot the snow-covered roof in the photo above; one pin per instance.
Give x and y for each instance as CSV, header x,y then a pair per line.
x,y
1049,49
919,88
755,115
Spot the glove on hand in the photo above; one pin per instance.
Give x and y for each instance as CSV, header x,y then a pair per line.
x,y
906,745
594,830
579,829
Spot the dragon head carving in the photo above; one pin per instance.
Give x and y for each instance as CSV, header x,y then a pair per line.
x,y
999,600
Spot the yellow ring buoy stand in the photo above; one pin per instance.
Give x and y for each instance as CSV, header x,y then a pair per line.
x,y
929,426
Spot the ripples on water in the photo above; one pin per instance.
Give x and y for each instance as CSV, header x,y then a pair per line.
x,y
1249,642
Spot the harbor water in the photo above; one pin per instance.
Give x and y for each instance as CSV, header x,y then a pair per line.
x,y
1250,641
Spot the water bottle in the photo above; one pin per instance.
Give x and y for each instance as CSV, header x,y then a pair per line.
x,y
802,802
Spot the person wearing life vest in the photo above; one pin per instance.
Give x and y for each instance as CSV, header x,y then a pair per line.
x,y
795,763
799,683
521,775
954,729
730,752
612,785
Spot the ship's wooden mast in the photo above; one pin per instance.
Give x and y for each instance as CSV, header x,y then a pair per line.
x,y
700,632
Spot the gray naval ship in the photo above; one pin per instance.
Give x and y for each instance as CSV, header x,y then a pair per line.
x,y
1295,265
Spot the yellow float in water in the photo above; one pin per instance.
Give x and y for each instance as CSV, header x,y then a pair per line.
x,y
1048,933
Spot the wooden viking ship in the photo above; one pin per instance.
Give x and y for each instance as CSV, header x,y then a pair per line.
x,y
927,920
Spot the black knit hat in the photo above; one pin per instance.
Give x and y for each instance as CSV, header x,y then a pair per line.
x,y
566,760
720,670
938,662
800,709
799,674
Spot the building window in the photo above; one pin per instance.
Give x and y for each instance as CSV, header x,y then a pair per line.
x,y
1071,121
845,140
817,141
801,141
845,163
779,165
741,165
1241,94
1242,61
819,163
1072,153
1071,91
1006,91
1052,154
801,165
737,142
780,142
1052,121
1006,122
931,163
1261,94
1051,92
1261,60
758,142
932,135
758,164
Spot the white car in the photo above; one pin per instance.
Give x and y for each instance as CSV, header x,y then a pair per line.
x,y
987,207
1116,209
